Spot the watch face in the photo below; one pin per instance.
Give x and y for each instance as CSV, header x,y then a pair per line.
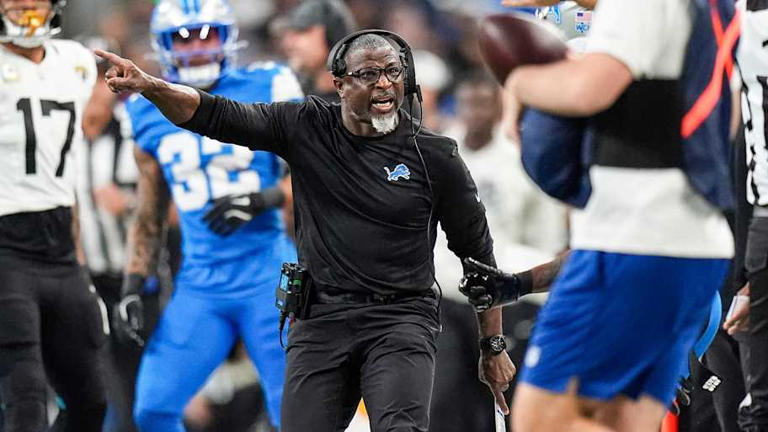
x,y
498,344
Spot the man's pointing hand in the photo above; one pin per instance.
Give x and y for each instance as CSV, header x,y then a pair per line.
x,y
124,75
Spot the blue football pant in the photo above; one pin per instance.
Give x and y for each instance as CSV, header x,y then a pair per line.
x,y
194,336
622,324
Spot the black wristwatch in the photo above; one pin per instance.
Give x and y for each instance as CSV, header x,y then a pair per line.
x,y
494,345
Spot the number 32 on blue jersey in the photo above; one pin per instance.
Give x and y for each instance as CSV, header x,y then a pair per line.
x,y
200,169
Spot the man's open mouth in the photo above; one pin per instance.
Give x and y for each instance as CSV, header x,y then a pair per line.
x,y
383,103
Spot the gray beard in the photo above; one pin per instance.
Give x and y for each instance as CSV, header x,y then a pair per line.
x,y
385,124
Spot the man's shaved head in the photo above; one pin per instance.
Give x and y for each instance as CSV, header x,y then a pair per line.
x,y
365,42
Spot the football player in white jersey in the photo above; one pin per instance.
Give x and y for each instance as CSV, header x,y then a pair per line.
x,y
752,57
51,323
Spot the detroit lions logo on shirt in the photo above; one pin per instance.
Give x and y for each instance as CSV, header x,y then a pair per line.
x,y
400,171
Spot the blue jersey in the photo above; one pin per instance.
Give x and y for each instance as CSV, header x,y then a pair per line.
x,y
199,170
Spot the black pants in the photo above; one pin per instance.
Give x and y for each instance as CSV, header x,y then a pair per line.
x,y
756,263
460,402
123,359
725,358
51,325
384,353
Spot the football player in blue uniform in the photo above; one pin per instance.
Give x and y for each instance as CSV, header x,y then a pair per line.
x,y
228,200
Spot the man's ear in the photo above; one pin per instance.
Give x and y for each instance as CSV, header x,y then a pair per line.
x,y
339,84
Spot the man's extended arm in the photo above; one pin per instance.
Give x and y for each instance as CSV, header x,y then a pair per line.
x,y
177,102
585,86
543,275
252,125
488,287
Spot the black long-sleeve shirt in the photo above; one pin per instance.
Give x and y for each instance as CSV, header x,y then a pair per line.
x,y
358,227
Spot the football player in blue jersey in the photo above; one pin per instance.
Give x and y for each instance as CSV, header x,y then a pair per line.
x,y
228,199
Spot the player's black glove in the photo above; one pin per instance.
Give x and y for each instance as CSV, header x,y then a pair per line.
x,y
233,211
682,396
128,315
700,377
488,287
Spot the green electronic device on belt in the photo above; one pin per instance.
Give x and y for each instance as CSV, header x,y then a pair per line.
x,y
292,295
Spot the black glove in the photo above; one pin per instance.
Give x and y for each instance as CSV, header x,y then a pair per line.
x,y
488,287
128,314
699,377
233,211
682,396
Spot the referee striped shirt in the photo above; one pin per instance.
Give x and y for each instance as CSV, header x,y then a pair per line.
x,y
108,160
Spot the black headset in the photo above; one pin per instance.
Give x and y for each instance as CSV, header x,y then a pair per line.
x,y
338,66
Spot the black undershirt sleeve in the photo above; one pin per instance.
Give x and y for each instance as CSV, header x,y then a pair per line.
x,y
460,212
258,126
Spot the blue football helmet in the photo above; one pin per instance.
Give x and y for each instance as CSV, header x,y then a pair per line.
x,y
183,19
30,29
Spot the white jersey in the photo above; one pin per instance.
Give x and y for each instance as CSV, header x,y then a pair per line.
x,y
41,107
647,211
518,212
752,56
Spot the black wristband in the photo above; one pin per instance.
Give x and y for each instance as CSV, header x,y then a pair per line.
x,y
526,283
273,197
133,283
507,289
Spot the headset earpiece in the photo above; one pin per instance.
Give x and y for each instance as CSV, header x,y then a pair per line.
x,y
340,65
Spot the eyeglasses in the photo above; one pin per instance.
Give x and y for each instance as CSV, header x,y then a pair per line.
x,y
369,76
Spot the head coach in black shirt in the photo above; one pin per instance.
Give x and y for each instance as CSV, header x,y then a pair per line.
x,y
369,189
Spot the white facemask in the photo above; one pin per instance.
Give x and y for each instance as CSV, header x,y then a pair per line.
x,y
19,35
200,76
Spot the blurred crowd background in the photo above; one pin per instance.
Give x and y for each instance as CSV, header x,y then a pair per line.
x,y
442,31
460,100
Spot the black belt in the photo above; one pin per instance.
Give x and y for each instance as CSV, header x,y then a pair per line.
x,y
335,297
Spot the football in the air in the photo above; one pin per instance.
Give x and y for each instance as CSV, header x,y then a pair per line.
x,y
511,40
